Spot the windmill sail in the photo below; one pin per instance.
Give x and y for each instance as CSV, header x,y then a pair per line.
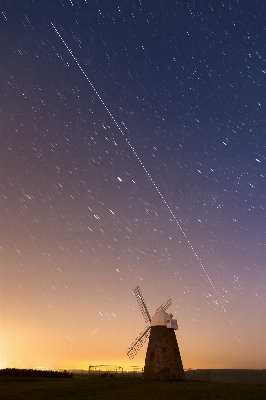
x,y
167,303
138,342
142,304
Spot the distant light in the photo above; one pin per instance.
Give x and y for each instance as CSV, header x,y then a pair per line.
x,y
120,180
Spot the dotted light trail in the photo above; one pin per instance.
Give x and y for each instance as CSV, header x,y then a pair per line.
x,y
146,171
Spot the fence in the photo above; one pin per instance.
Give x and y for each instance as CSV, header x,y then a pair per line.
x,y
114,371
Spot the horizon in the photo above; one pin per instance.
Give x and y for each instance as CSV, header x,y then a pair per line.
x,y
123,369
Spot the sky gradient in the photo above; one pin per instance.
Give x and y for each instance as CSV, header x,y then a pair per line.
x,y
133,152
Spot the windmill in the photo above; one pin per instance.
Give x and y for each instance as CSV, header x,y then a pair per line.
x,y
163,360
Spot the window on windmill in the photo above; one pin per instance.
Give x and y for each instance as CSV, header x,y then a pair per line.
x,y
164,350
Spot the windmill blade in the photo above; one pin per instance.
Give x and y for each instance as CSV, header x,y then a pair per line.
x,y
142,304
167,303
138,342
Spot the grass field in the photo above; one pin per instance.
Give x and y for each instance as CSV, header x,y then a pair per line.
x,y
117,389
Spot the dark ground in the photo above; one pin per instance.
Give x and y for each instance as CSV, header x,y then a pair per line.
x,y
254,376
80,387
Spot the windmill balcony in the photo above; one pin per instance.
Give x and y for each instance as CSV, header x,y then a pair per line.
x,y
171,323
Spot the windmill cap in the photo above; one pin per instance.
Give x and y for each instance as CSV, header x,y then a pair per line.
x,y
160,318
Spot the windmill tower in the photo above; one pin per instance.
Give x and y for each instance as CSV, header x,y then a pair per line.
x,y
163,360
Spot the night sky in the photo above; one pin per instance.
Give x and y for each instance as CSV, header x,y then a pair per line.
x,y
133,152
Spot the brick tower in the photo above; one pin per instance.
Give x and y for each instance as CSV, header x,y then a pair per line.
x,y
163,360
